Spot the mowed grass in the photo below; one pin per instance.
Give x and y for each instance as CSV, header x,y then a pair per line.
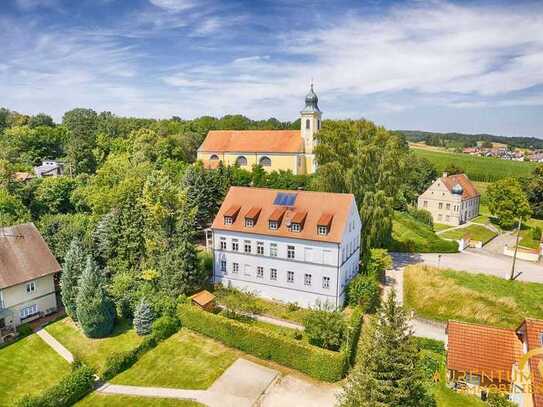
x,y
477,168
447,294
28,366
446,397
474,232
110,400
409,235
185,361
94,352
527,240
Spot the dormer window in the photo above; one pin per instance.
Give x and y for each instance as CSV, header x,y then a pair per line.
x,y
231,214
295,227
322,230
228,220
252,216
324,223
276,217
249,223
274,225
297,221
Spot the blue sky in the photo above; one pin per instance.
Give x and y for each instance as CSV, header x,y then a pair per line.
x,y
428,65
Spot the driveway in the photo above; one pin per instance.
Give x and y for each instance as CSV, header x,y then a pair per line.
x,y
296,392
474,261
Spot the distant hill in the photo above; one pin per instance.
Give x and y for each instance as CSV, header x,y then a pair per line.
x,y
469,140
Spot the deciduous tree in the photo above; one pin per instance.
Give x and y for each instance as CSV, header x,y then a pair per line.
x,y
508,202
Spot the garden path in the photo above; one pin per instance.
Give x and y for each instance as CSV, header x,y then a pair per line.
x,y
55,345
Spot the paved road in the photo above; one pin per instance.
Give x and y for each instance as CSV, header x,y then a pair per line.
x,y
474,261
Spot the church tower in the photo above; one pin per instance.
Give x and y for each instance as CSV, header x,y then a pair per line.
x,y
310,120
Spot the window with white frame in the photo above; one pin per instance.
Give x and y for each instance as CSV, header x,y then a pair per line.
x,y
260,272
260,248
29,311
223,266
247,246
223,243
295,227
273,274
249,223
228,220
326,282
290,276
291,252
273,225
30,287
307,279
235,245
322,230
273,249
235,267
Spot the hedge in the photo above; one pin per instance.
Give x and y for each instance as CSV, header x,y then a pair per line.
x,y
351,344
316,362
163,328
67,392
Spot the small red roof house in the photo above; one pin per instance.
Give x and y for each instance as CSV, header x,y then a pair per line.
x,y
486,357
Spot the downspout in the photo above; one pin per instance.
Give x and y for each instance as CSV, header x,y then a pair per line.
x,y
338,273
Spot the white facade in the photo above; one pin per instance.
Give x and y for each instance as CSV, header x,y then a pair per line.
x,y
49,169
286,269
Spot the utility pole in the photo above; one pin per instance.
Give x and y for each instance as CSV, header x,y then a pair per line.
x,y
512,277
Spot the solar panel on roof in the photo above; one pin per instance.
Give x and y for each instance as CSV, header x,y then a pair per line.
x,y
284,199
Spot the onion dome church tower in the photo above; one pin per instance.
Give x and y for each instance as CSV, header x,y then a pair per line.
x,y
310,120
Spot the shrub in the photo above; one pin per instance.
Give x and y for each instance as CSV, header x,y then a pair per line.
x,y
430,363
363,290
430,344
67,392
353,335
143,318
325,329
422,215
318,363
292,307
24,330
165,326
495,399
120,361
239,302
378,262
536,233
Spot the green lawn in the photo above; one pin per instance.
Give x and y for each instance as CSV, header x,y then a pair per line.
x,y
409,235
94,352
438,227
28,366
446,397
110,400
186,361
274,309
478,168
475,232
447,294
527,240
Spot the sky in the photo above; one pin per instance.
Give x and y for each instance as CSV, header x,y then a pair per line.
x,y
465,66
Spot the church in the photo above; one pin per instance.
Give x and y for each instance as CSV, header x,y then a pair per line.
x,y
272,149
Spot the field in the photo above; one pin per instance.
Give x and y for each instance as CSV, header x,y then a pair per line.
x,y
478,168
94,352
475,232
447,294
28,366
410,235
107,400
186,361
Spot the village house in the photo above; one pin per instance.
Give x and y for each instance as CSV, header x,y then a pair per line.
x,y
293,246
271,149
49,168
483,358
27,277
451,199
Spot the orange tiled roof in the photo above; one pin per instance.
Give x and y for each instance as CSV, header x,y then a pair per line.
x,y
253,141
203,298
534,330
22,176
313,203
469,189
482,348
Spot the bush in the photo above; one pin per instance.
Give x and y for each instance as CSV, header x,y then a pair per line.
x,y
325,329
363,291
430,344
164,327
536,233
430,363
67,392
240,303
378,262
495,399
421,215
318,363
143,318
353,335
24,330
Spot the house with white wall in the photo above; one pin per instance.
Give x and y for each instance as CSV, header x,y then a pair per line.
x,y
27,277
291,246
49,168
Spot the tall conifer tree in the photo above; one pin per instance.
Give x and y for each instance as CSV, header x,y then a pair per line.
x,y
74,263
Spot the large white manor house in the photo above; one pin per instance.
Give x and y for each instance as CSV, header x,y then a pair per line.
x,y
292,246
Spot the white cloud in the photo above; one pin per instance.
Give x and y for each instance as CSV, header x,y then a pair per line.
x,y
174,5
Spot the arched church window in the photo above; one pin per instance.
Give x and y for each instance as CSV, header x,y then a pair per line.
x,y
265,162
307,124
241,161
214,157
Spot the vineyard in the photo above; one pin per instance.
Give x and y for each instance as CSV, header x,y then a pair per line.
x,y
484,169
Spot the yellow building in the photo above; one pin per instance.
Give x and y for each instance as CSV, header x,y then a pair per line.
x,y
272,149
